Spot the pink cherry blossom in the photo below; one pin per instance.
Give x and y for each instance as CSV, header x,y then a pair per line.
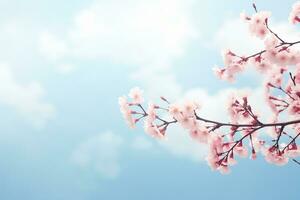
x,y
294,107
271,42
125,110
293,150
261,64
136,94
257,24
275,157
200,134
294,14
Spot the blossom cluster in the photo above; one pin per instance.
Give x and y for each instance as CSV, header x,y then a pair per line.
x,y
244,135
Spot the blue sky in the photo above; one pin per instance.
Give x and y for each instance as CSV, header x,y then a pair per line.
x,y
63,66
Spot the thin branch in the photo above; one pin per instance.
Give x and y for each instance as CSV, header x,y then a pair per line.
x,y
296,161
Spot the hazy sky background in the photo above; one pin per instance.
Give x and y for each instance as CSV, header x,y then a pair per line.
x,y
63,65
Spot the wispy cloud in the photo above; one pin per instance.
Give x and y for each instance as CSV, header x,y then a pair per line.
x,y
141,143
100,154
27,99
135,32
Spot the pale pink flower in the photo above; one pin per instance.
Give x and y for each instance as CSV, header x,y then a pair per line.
x,y
271,54
212,161
241,150
257,144
261,64
294,107
271,42
125,110
224,169
275,157
233,65
231,161
275,77
235,107
293,150
137,95
189,107
153,130
294,14
219,73
244,17
151,112
228,57
294,57
186,122
200,134
253,156
215,143
175,111
297,74
257,24
282,58
294,91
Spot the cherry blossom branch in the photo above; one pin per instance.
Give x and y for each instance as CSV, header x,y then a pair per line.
x,y
220,124
273,62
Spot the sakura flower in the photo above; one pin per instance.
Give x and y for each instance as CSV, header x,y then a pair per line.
x,y
294,57
282,57
233,65
275,157
271,42
275,77
261,64
244,16
175,111
271,55
297,74
294,91
153,130
151,112
294,107
231,161
136,94
200,134
224,169
294,14
293,150
186,122
236,109
219,73
257,144
253,155
125,110
241,150
257,24
212,160
189,107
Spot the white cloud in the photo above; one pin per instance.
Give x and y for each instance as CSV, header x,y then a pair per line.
x,y
141,143
132,32
65,68
152,78
27,99
51,47
100,153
